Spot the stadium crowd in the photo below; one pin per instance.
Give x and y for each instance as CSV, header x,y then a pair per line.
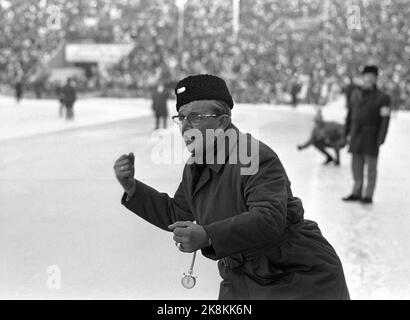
x,y
325,41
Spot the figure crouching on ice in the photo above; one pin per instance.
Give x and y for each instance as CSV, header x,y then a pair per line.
x,y
326,134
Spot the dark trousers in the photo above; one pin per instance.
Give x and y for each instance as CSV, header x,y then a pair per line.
x,y
164,121
294,100
69,110
61,108
359,161
19,95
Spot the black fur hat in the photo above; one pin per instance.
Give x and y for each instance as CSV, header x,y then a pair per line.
x,y
202,87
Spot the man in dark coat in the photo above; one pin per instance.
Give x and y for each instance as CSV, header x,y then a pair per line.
x,y
245,214
69,96
326,134
366,126
18,87
294,91
159,105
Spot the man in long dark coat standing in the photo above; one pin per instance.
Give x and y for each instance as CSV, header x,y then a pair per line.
x,y
69,95
366,126
19,87
294,91
245,214
159,105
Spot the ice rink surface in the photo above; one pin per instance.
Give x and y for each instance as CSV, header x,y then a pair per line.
x,y
60,203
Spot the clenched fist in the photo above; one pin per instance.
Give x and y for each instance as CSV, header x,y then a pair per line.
x,y
124,171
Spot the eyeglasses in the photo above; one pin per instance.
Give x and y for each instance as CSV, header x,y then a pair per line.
x,y
193,118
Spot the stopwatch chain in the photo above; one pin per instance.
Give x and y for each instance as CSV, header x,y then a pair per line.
x,y
191,269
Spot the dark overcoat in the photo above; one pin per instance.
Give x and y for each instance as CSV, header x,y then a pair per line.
x,y
159,102
264,246
367,121
69,94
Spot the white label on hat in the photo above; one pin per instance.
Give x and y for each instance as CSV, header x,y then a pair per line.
x,y
180,90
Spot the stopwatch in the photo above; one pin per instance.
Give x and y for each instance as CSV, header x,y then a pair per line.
x,y
188,280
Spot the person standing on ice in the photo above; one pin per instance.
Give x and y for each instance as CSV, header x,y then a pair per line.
x,y
69,95
245,214
159,105
366,126
294,91
19,88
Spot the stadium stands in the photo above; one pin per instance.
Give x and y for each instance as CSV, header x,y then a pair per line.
x,y
276,40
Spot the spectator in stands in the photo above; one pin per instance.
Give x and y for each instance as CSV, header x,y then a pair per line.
x,y
329,49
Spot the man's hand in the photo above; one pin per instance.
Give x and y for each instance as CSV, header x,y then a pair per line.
x,y
190,235
124,171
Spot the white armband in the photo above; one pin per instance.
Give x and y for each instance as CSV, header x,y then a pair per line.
x,y
385,111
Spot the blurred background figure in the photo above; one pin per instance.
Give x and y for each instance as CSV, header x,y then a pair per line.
x,y
366,125
159,104
69,96
60,97
38,84
396,93
350,86
18,87
295,88
326,134
38,89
